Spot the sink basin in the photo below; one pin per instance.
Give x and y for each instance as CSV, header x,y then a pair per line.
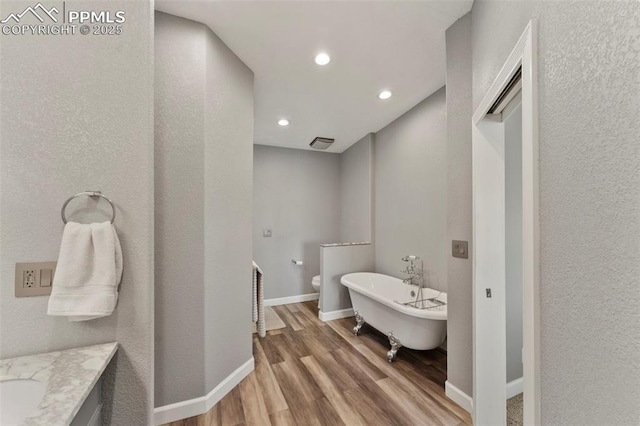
x,y
18,399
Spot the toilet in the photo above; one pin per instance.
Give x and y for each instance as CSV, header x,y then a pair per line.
x,y
315,282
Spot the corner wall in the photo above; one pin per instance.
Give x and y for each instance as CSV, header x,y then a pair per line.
x,y
459,206
410,191
589,104
77,114
228,211
297,196
180,79
356,191
204,136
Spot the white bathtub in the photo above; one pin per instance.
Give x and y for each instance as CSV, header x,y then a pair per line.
x,y
375,299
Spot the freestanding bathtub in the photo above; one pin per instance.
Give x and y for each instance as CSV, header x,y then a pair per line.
x,y
378,300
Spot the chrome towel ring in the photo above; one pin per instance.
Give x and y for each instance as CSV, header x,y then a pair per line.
x,y
92,194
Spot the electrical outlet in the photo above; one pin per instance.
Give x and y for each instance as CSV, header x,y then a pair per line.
x,y
28,279
34,279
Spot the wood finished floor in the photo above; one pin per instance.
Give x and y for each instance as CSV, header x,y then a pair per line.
x,y
315,373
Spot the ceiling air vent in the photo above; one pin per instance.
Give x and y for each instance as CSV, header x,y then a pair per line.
x,y
321,143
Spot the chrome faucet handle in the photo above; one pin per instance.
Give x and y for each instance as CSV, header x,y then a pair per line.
x,y
410,258
409,274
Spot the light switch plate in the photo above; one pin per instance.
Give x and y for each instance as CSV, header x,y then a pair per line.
x,y
460,249
34,278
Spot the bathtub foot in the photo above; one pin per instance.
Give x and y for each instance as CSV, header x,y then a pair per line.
x,y
395,346
359,323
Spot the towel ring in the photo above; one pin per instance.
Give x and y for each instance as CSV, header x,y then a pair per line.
x,y
92,194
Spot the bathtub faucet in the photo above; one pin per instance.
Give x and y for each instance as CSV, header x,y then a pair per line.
x,y
414,269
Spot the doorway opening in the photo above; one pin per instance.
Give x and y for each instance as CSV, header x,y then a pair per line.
x,y
506,354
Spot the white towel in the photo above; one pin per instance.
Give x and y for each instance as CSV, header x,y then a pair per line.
x,y
258,300
254,295
85,285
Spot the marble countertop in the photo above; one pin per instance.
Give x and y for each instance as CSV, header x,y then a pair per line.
x,y
345,244
68,376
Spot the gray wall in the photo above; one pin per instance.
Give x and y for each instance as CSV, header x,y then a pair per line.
x,y
513,241
336,261
410,191
66,128
204,133
179,208
459,207
228,211
296,195
356,191
589,200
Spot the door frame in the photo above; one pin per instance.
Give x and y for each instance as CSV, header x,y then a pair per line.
x,y
489,335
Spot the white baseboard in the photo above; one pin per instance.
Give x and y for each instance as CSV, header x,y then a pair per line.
x,y
333,315
457,396
196,406
291,299
514,387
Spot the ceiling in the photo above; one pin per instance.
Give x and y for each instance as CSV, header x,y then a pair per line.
x,y
374,45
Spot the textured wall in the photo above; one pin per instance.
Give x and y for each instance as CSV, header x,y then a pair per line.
x,y
297,196
77,114
410,191
204,136
513,241
356,191
180,79
336,261
228,211
589,82
459,207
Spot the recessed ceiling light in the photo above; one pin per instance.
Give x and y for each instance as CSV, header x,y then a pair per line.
x,y
322,58
283,122
385,94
